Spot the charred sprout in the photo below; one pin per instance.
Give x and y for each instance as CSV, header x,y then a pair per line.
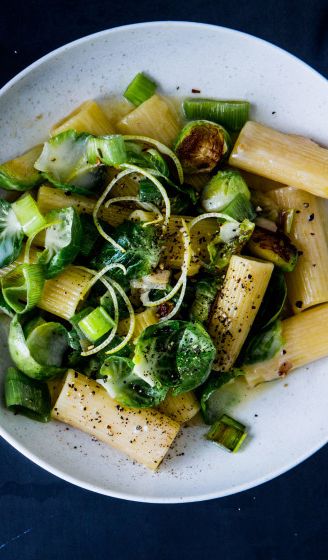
x,y
201,146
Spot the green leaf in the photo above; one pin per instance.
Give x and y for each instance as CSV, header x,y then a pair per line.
x,y
273,301
194,358
206,290
210,388
229,241
11,234
176,354
123,385
65,164
264,345
142,252
63,240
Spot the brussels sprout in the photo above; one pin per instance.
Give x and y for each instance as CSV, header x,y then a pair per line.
x,y
40,354
65,164
263,345
182,199
123,385
175,354
223,189
201,145
90,235
142,251
11,234
206,290
229,241
63,240
19,174
274,247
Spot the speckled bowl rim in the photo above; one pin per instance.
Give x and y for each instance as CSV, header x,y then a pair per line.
x,y
24,450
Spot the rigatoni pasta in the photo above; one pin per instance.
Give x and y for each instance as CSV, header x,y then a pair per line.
x,y
50,199
286,158
236,306
144,435
307,283
88,117
305,340
154,118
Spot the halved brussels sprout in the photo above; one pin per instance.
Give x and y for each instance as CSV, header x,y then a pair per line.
x,y
274,247
40,354
123,385
222,189
229,241
176,354
201,146
64,163
11,234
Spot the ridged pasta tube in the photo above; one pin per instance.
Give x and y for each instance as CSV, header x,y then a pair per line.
x,y
50,198
62,294
145,435
88,117
307,283
154,118
181,408
200,235
236,306
305,339
142,321
286,158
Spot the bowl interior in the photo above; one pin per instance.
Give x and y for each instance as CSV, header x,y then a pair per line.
x,y
287,419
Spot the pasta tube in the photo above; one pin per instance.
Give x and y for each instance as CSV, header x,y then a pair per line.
x,y
307,284
142,321
88,117
305,340
286,158
181,408
201,235
62,294
153,118
50,198
258,183
145,435
236,306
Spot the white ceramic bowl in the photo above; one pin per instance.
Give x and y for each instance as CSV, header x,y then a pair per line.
x,y
288,420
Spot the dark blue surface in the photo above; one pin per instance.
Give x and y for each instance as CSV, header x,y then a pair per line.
x,y
43,518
